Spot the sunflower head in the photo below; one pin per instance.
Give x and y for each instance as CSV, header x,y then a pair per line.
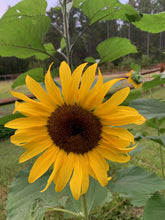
x,y
73,131
135,78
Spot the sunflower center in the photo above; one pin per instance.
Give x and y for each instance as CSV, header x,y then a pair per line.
x,y
74,129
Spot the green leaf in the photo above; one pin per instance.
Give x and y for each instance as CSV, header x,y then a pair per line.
x,y
153,83
27,24
134,94
5,119
162,130
136,184
96,196
149,108
114,48
105,10
76,3
155,208
153,23
135,67
155,123
158,139
137,150
25,201
62,43
152,123
36,74
49,48
26,7
90,60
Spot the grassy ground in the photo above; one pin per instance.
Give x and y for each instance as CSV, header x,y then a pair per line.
x,y
120,208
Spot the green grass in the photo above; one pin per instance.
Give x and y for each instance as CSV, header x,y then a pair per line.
x,y
9,166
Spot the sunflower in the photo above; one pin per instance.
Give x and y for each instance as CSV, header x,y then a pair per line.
x,y
75,131
135,78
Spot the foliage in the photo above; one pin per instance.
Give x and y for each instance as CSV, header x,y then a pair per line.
x,y
136,184
30,31
5,132
26,201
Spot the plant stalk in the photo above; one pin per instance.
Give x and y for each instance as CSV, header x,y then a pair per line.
x,y
66,34
64,210
162,162
84,207
161,156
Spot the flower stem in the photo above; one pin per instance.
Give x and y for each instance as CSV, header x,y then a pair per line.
x,y
64,210
162,162
84,207
66,33
161,155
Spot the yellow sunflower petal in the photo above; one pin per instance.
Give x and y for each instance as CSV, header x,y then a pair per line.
x,y
42,164
75,83
93,98
115,157
27,122
123,115
76,180
91,172
39,92
130,73
65,172
98,169
115,141
28,100
119,132
61,156
85,176
86,83
53,90
22,96
29,109
24,135
115,100
114,149
34,148
65,76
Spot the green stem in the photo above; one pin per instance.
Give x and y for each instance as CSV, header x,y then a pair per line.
x,y
162,162
64,210
66,33
84,207
161,155
150,91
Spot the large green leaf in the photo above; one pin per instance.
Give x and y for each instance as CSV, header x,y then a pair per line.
x,y
158,139
26,7
108,9
155,208
114,48
149,108
24,198
152,23
49,50
154,82
96,196
136,184
26,202
36,74
22,29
